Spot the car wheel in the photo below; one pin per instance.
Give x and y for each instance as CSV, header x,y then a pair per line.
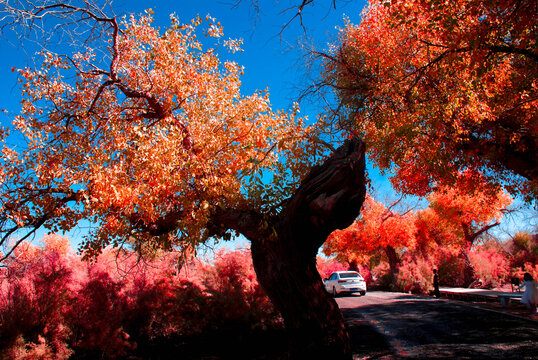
x,y
335,294
363,293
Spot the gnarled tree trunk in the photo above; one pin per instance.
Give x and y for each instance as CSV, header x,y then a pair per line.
x,y
469,273
470,235
284,250
394,264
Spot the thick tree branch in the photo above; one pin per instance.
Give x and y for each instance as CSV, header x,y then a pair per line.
x,y
252,224
329,198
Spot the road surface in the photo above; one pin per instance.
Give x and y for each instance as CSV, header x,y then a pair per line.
x,y
399,326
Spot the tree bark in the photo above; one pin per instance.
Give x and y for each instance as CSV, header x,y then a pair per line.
x,y
394,264
469,273
470,235
284,250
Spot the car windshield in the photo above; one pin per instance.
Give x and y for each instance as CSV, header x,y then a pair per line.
x,y
349,275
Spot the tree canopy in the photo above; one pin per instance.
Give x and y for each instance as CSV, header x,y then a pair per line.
x,y
377,228
153,143
146,140
443,88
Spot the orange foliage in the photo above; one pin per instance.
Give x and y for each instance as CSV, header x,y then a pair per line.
x,y
442,86
466,215
147,146
458,206
375,229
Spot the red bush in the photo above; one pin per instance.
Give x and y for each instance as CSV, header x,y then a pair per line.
x,y
327,266
416,275
53,304
235,296
97,316
449,265
34,298
491,266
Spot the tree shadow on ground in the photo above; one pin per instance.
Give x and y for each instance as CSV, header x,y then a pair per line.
x,y
439,330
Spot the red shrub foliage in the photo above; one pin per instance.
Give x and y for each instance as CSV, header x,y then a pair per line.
x,y
327,266
523,248
491,266
381,275
415,275
235,294
34,298
450,266
53,304
366,274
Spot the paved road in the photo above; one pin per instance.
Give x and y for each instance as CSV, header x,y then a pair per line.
x,y
400,326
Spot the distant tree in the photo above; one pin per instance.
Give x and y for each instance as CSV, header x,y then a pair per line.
x,y
523,249
466,217
378,229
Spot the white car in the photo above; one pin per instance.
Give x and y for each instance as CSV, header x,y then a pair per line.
x,y
345,282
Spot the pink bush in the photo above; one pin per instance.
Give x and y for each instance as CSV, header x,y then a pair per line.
x,y
366,274
381,275
53,304
34,299
235,294
416,275
491,266
449,265
327,266
97,316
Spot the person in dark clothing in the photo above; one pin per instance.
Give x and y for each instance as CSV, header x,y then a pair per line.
x,y
436,283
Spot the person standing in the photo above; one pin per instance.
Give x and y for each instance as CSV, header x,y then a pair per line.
x,y
530,296
436,283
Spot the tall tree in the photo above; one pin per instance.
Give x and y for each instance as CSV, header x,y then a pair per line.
x,y
466,217
378,229
438,87
153,143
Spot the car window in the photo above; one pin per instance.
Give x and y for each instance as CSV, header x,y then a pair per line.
x,y
350,274
333,276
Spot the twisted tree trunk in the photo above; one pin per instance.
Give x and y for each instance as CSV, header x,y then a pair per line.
x,y
394,264
284,250
469,237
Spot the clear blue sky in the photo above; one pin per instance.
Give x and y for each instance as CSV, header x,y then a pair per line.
x,y
271,57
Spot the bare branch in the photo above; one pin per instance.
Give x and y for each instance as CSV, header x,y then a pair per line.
x,y
41,22
34,223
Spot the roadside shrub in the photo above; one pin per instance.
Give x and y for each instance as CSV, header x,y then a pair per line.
x,y
33,301
382,277
415,275
236,297
491,266
449,265
366,274
97,317
53,305
327,266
